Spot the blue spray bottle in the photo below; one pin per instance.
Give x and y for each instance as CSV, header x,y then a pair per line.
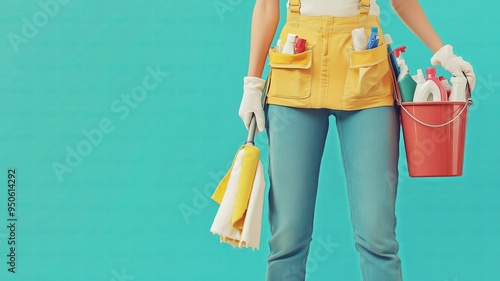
x,y
373,38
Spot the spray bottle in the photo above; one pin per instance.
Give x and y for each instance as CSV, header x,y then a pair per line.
x,y
373,38
446,85
458,89
403,68
389,42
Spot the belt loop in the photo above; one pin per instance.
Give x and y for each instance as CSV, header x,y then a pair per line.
x,y
294,6
364,10
364,7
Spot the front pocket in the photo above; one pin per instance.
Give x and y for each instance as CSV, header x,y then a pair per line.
x,y
367,73
290,76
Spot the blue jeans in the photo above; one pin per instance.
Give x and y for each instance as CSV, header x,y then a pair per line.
x,y
369,142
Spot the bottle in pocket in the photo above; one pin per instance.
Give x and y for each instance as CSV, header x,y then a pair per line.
x,y
300,45
289,47
373,38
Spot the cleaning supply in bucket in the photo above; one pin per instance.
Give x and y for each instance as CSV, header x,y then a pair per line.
x,y
407,87
359,42
406,83
373,38
389,42
431,76
427,91
431,89
420,80
289,47
446,85
419,77
458,89
403,68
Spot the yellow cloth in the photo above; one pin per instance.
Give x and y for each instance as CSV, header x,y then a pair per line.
x,y
240,194
248,168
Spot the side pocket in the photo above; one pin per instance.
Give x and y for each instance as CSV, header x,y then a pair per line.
x,y
290,76
366,74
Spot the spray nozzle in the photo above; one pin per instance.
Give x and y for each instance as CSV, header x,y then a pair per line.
x,y
399,50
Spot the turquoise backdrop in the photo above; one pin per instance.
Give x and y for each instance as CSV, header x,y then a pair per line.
x,y
120,117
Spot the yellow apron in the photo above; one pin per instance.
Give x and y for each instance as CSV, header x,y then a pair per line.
x,y
330,74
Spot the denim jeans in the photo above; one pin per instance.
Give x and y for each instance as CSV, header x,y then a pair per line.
x,y
369,141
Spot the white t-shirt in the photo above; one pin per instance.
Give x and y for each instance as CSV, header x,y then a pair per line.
x,y
336,8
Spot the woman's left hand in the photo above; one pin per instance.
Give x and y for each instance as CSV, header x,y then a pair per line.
x,y
454,64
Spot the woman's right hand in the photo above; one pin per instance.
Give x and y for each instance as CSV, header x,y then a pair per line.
x,y
251,102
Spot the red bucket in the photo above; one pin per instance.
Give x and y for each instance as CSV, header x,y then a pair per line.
x,y
434,135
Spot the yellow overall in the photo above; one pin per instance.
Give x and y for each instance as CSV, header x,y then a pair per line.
x,y
330,74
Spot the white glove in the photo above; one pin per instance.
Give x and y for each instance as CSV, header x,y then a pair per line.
x,y
454,64
251,102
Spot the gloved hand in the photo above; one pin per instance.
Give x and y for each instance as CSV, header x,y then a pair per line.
x,y
454,64
251,102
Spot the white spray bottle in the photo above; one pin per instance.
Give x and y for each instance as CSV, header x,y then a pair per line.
x,y
458,89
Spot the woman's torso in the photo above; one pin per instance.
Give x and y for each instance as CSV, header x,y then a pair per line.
x,y
337,8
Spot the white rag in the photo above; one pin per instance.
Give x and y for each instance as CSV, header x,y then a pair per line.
x,y
249,236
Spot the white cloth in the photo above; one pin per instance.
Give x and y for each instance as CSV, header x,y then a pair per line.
x,y
336,8
250,235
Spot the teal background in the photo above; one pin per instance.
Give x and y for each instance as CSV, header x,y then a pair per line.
x,y
137,206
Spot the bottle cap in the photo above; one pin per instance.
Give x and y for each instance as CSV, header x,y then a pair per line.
x,y
431,72
291,38
388,39
300,45
374,29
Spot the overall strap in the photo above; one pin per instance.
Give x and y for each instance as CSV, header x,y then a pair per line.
x,y
294,6
364,7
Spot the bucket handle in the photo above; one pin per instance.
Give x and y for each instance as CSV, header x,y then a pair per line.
x,y
467,103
